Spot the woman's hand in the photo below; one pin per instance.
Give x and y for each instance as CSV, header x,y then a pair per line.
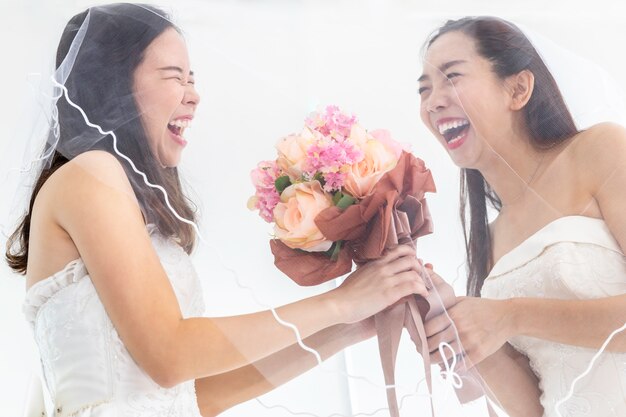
x,y
378,284
483,326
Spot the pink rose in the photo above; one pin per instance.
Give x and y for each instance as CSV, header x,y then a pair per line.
x,y
384,136
264,175
295,217
363,176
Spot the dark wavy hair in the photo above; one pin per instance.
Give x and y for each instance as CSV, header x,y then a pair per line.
x,y
546,117
101,77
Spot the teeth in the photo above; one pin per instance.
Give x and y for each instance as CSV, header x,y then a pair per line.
x,y
455,140
180,123
444,127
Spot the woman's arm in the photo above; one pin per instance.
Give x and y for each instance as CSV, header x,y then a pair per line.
x,y
484,325
511,382
219,392
586,323
96,207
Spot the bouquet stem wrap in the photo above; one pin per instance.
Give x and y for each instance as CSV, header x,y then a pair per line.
x,y
411,315
407,314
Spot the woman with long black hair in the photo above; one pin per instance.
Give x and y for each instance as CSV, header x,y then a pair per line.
x,y
112,296
547,276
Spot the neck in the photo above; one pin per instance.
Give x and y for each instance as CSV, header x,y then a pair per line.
x,y
512,171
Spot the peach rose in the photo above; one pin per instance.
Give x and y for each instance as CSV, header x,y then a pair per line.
x,y
363,176
292,153
295,217
359,136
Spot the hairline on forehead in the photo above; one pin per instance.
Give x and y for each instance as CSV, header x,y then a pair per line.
x,y
449,63
454,60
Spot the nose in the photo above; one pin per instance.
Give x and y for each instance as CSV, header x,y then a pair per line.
x,y
438,99
191,96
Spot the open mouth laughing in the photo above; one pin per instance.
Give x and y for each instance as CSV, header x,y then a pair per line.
x,y
454,131
177,128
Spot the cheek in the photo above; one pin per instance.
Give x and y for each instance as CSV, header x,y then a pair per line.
x,y
142,103
157,102
481,99
424,115
147,106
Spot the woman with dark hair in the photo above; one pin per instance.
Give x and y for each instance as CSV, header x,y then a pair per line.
x,y
112,296
547,276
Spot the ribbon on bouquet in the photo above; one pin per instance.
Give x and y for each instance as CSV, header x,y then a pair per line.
x,y
395,213
411,315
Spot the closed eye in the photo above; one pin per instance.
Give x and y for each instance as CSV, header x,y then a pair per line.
x,y
181,80
452,75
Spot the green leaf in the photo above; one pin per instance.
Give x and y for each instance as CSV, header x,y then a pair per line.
x,y
336,248
336,197
345,201
281,183
319,177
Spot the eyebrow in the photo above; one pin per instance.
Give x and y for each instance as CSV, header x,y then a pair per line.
x,y
443,68
174,68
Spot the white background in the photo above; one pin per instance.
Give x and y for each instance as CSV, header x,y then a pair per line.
x,y
261,67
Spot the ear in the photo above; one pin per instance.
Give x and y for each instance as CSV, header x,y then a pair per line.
x,y
521,88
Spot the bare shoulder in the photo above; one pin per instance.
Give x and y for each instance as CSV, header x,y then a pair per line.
x,y
88,181
597,153
603,159
91,192
87,170
603,142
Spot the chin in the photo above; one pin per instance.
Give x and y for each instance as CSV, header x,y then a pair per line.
x,y
464,161
169,161
172,164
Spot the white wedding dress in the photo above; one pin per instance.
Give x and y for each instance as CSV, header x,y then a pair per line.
x,y
86,367
573,257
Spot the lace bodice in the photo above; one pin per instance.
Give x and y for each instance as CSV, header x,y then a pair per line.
x,y
86,367
573,257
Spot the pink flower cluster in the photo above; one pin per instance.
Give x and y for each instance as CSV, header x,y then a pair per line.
x,y
332,122
266,197
333,152
330,157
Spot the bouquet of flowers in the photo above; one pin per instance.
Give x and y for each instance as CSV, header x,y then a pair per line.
x,y
338,193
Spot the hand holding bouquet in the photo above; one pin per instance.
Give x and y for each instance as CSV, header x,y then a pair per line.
x,y
336,194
